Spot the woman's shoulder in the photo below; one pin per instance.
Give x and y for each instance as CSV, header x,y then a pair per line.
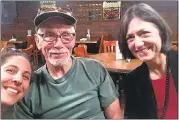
x,y
138,71
173,54
136,75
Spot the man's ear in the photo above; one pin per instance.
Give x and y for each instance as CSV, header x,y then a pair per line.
x,y
37,41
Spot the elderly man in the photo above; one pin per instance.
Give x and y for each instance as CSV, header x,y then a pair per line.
x,y
66,87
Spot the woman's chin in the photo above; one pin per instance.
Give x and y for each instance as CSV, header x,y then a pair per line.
x,y
7,103
145,59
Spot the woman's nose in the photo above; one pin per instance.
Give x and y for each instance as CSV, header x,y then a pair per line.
x,y
17,79
138,42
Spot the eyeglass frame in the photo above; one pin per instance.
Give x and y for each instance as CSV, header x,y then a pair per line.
x,y
56,36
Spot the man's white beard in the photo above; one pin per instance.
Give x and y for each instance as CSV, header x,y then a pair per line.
x,y
59,63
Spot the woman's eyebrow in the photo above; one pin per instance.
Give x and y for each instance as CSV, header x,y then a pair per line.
x,y
12,66
143,31
138,32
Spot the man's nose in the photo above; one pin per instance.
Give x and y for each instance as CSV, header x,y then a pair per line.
x,y
58,42
18,78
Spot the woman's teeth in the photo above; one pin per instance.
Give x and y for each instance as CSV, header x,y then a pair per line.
x,y
12,90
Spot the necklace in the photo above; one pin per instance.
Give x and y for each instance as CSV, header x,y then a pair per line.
x,y
166,90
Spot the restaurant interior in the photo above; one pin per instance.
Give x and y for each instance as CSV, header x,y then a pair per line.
x,y
97,30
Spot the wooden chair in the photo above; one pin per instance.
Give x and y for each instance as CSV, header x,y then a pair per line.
x,y
11,45
175,37
174,47
104,37
83,45
3,46
109,46
28,50
81,51
6,45
36,52
30,41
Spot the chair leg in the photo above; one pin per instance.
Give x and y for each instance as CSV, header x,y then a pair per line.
x,y
35,61
42,57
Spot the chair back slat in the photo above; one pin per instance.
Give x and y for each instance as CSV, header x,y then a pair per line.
x,y
109,46
174,47
28,50
104,37
3,46
175,37
81,51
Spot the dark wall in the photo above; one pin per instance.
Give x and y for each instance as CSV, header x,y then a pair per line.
x,y
27,10
97,27
167,9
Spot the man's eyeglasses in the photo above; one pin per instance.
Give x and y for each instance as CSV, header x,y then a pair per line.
x,y
65,37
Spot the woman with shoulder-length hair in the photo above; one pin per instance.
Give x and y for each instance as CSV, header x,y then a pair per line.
x,y
151,89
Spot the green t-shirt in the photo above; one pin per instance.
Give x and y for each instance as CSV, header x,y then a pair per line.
x,y
81,93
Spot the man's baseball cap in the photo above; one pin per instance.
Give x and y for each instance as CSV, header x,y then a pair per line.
x,y
44,15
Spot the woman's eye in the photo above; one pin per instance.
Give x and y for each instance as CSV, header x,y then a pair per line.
x,y
10,71
144,34
130,40
26,77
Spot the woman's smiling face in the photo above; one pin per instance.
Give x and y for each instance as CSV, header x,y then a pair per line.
x,y
143,39
15,79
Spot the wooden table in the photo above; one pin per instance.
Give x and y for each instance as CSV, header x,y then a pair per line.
x,y
86,41
111,64
19,44
17,41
